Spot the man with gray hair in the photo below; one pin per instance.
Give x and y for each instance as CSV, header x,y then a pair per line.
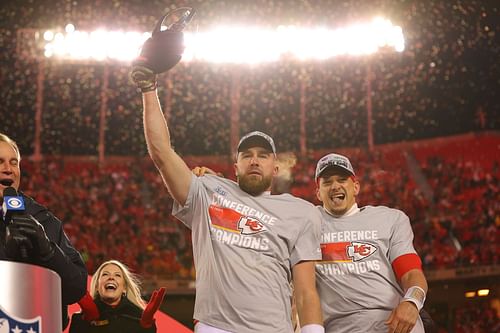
x,y
39,233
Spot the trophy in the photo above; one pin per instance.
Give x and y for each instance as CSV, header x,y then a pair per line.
x,y
175,20
163,50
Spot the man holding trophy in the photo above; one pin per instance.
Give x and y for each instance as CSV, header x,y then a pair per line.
x,y
248,245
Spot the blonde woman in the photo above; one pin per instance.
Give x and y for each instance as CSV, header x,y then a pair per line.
x,y
114,303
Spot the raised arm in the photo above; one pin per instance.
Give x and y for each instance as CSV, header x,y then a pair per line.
x,y
173,169
160,53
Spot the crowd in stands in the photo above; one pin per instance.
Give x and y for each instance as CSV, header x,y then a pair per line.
x,y
122,210
62,117
477,317
444,82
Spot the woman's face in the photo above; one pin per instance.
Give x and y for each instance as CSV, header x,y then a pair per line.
x,y
111,284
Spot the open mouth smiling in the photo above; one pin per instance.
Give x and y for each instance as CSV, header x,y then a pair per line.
x,y
6,182
337,197
110,286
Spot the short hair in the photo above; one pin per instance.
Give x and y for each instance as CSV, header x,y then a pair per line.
x,y
6,139
132,283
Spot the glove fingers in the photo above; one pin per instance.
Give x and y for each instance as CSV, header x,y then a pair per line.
x,y
34,231
28,227
139,77
161,293
26,221
139,68
24,241
157,298
142,76
89,308
14,243
23,221
27,231
152,307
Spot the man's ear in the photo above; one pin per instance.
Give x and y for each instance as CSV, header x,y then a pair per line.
x,y
317,194
276,169
357,187
235,167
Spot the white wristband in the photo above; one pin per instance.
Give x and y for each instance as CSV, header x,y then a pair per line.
x,y
312,328
416,295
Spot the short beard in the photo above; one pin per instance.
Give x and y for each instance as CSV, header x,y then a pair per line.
x,y
253,186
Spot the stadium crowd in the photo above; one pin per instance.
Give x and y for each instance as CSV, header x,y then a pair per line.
x,y
467,318
444,83
122,210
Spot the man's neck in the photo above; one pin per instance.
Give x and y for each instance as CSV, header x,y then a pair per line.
x,y
353,210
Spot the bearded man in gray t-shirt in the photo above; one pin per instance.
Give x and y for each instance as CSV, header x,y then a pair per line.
x,y
248,245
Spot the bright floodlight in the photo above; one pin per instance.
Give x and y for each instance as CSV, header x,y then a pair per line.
x,y
69,28
231,44
48,35
483,292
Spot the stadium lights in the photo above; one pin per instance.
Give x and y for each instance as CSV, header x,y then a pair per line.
x,y
483,292
480,293
230,44
97,45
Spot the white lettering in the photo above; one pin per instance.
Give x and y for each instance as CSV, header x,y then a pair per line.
x,y
239,208
348,236
343,268
243,209
252,242
225,237
362,267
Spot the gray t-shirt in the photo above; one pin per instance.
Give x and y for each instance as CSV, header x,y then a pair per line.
x,y
244,248
355,279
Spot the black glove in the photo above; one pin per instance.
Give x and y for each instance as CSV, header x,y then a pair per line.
x,y
159,53
29,227
162,51
143,77
17,245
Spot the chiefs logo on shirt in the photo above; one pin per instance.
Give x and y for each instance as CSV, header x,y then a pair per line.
x,y
347,251
250,225
230,220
